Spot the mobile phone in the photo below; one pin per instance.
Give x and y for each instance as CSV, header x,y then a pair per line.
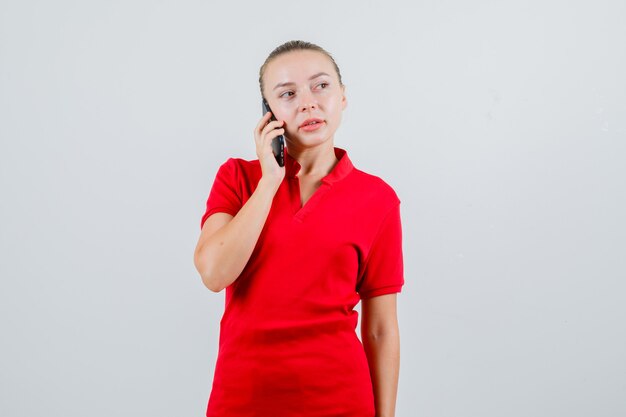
x,y
278,143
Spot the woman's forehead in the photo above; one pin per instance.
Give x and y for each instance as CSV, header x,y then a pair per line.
x,y
298,67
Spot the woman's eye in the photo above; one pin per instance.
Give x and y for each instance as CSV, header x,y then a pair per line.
x,y
291,93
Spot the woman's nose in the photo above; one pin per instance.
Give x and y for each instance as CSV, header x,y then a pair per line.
x,y
307,102
309,105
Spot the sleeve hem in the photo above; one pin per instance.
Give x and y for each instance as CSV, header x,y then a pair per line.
x,y
381,291
214,210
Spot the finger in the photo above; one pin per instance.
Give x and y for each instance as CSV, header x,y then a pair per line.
x,y
272,125
259,129
271,135
263,121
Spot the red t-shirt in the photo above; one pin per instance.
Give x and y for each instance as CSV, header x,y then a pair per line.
x,y
287,344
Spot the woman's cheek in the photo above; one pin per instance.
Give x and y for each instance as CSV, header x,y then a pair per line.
x,y
288,131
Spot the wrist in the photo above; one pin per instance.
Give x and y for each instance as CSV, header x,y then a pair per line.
x,y
268,185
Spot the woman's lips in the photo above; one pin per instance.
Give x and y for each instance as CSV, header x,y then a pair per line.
x,y
314,126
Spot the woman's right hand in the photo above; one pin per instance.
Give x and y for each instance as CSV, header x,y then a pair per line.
x,y
263,135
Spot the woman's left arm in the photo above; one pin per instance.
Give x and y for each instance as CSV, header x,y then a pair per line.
x,y
381,340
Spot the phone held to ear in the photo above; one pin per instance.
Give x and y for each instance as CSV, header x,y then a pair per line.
x,y
278,143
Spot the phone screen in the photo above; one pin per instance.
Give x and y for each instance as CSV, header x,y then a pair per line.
x,y
278,143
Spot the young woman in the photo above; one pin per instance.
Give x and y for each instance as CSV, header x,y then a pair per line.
x,y
296,248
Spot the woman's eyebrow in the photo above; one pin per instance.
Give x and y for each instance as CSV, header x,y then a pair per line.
x,y
290,83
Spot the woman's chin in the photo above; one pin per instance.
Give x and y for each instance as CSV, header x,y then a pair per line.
x,y
306,141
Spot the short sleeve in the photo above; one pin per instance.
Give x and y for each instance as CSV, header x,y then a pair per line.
x,y
383,269
224,196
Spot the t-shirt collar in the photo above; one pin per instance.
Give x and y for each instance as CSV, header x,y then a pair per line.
x,y
339,171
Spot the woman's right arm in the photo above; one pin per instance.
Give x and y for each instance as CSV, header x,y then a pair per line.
x,y
226,242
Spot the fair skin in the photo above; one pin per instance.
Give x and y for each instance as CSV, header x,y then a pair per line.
x,y
294,96
295,91
380,335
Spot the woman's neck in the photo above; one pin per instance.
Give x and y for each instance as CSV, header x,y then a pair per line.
x,y
315,162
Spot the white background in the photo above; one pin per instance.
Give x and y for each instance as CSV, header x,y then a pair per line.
x,y
501,126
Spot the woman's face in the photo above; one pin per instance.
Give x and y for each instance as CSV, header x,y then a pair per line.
x,y
295,91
